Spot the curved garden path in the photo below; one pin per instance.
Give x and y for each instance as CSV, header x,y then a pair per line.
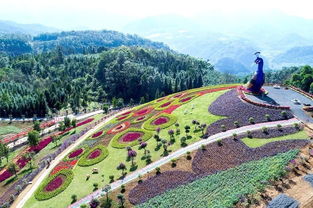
x,y
181,152
30,189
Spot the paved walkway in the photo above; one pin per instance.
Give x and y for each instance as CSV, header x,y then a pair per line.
x,y
51,128
29,190
179,153
284,97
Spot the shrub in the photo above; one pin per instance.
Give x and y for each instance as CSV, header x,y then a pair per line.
x,y
152,127
265,130
158,170
223,127
173,163
249,134
85,160
41,194
117,144
251,120
219,142
267,117
236,124
284,114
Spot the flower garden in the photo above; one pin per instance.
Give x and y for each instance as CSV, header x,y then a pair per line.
x,y
153,130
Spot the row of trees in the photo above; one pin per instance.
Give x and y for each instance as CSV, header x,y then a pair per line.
x,y
48,82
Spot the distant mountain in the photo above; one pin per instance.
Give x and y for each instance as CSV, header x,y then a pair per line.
x,y
31,29
73,42
233,36
296,56
229,65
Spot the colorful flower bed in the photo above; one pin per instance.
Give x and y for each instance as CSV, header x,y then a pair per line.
x,y
54,185
63,165
22,161
160,100
130,138
229,104
76,153
164,105
99,133
160,183
187,98
140,119
232,153
162,120
93,156
122,118
171,109
217,190
77,125
119,128
143,111
42,144
5,174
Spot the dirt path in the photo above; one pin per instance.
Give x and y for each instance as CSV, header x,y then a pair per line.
x,y
29,190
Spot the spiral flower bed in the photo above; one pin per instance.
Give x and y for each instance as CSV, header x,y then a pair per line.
x,y
54,185
130,137
119,128
162,120
93,156
143,111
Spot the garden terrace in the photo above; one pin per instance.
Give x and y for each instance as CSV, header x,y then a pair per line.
x,y
230,106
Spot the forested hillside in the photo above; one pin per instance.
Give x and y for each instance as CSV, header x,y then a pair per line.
x,y
47,82
74,42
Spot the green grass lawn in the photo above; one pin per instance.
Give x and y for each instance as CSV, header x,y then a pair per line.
x,y
196,109
258,142
9,130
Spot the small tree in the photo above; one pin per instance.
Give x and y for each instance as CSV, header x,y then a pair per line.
x,y
33,138
223,127
62,127
171,134
67,121
194,122
74,122
123,188
132,154
106,189
142,100
120,102
121,198
94,203
74,198
121,167
55,139
183,141
12,168
188,156
4,151
187,129
173,163
111,177
143,145
158,170
105,108
251,120
37,126
203,126
95,186
157,138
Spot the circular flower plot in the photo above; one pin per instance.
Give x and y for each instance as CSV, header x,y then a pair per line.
x,y
76,154
164,105
54,185
161,121
123,117
93,156
140,119
95,135
130,138
143,111
187,98
119,128
160,100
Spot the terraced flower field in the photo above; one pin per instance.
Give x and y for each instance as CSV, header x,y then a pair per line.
x,y
154,130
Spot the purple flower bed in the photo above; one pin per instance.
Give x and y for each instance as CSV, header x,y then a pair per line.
x,y
55,183
94,154
159,184
231,106
75,153
233,153
283,201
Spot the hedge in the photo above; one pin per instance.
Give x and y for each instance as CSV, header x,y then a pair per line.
x,y
149,126
115,140
41,194
84,161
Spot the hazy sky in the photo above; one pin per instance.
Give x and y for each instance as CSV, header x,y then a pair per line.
x,y
100,14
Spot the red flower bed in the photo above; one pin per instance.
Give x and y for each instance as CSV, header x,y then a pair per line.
x,y
186,99
121,118
94,154
165,104
55,183
216,89
76,153
140,118
159,100
124,114
5,174
97,134
119,128
63,165
177,96
144,111
170,109
160,120
42,144
131,136
21,162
